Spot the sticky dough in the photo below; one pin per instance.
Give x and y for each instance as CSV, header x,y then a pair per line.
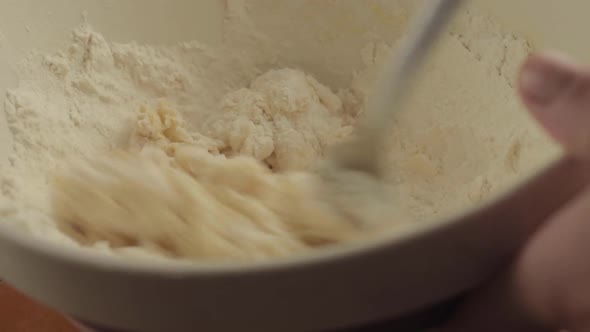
x,y
175,194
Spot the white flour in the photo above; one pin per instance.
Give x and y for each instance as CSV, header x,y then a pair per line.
x,y
463,137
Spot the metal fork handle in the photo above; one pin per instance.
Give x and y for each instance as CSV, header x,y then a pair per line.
x,y
398,76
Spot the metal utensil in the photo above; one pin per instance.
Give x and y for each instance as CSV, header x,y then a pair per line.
x,y
351,176
362,154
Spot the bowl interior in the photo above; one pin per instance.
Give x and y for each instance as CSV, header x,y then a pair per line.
x,y
28,25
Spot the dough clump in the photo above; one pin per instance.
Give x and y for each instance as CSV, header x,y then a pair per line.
x,y
182,194
286,119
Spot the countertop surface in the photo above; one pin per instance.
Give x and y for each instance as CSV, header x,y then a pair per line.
x,y
20,314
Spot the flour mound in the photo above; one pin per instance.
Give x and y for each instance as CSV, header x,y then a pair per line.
x,y
286,119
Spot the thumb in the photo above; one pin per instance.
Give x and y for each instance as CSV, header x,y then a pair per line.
x,y
556,90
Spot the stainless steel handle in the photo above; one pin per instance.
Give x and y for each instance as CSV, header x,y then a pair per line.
x,y
398,77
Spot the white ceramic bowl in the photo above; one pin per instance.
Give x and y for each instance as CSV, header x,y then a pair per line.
x,y
336,288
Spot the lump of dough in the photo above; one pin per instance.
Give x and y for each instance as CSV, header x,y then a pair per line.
x,y
286,119
194,206
173,194
163,128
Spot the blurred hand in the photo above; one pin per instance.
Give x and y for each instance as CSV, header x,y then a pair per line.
x,y
548,286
